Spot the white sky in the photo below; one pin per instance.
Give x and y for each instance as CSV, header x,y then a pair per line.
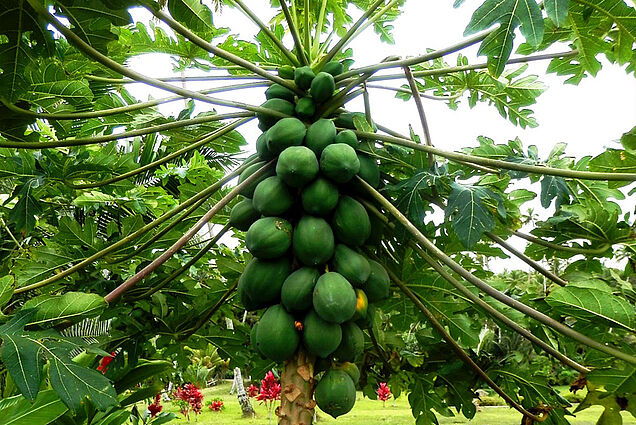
x,y
588,117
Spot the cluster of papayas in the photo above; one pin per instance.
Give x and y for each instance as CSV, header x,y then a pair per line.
x,y
305,230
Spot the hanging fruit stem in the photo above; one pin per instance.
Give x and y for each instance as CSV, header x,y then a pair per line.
x,y
297,382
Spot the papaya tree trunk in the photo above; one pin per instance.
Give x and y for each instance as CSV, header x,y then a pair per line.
x,y
297,382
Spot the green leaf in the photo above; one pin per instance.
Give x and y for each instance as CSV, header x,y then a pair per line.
x,y
48,82
592,304
557,10
73,382
554,187
193,14
612,410
628,140
7,285
142,371
46,408
615,380
510,14
24,213
469,212
21,356
70,306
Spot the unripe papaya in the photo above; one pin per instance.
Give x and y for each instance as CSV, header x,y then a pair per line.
x,y
303,77
272,197
313,241
276,91
297,166
339,162
297,291
269,237
285,133
248,191
286,72
336,393
369,170
350,222
320,337
352,344
320,197
243,215
334,298
279,105
261,282
378,285
334,68
276,336
353,266
305,108
348,137
320,134
262,149
322,87
351,369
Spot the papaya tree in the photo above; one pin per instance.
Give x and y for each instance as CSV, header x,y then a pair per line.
x,y
345,271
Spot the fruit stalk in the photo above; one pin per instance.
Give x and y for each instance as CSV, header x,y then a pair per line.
x,y
297,381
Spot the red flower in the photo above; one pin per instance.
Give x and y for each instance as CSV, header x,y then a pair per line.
x,y
156,406
216,405
191,397
252,390
270,388
383,391
105,361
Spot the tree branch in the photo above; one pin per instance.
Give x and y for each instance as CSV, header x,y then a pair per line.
x,y
457,268
406,91
182,79
111,64
121,289
458,350
583,251
488,162
121,109
529,261
294,33
421,113
118,136
203,141
180,29
418,59
345,39
496,314
186,266
120,243
289,55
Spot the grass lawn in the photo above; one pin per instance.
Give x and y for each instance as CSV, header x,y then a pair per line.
x,y
367,412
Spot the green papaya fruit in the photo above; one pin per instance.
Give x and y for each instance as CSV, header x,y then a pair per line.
x,y
313,241
352,345
319,337
348,137
366,322
320,197
269,237
261,148
243,215
377,285
276,91
261,282
369,170
277,337
334,298
350,222
278,105
320,134
339,162
272,197
285,133
248,191
297,291
335,393
305,108
286,72
334,68
303,76
345,120
322,87
351,369
297,166
353,266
